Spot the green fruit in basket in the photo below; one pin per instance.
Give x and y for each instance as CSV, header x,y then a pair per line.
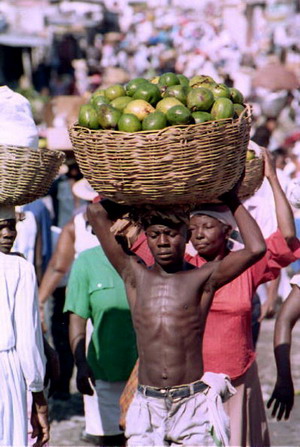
x,y
236,96
183,80
114,91
177,91
100,92
179,115
139,108
202,117
200,98
121,102
199,80
98,100
220,91
88,117
154,121
168,79
154,80
166,103
108,116
129,123
133,85
148,92
222,109
250,154
238,109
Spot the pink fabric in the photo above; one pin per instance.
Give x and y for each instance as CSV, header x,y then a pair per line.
x,y
246,411
227,343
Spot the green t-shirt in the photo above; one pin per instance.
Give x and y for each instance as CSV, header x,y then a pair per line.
x,y
96,291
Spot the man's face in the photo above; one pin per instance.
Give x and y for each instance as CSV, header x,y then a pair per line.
x,y
8,235
208,235
167,244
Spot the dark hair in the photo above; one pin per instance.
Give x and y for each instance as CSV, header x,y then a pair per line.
x,y
160,216
262,136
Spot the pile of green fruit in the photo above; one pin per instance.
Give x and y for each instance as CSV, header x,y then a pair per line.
x,y
167,100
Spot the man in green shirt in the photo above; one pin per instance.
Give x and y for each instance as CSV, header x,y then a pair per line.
x,y
96,291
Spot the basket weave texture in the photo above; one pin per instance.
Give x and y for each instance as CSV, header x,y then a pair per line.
x,y
180,165
26,174
254,175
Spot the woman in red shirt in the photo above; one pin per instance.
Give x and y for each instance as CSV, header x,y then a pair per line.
x,y
227,344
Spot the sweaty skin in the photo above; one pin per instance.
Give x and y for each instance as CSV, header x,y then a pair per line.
x,y
169,331
169,302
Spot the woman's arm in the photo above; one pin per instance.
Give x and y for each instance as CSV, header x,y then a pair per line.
x,y
58,266
284,213
236,262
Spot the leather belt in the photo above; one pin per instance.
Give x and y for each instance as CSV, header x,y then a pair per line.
x,y
172,392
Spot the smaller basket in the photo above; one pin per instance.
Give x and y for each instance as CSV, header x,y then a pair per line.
x,y
26,174
254,175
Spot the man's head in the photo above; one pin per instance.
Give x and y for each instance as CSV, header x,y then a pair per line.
x,y
167,235
8,231
210,228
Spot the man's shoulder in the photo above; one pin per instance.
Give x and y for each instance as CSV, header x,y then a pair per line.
x,y
14,261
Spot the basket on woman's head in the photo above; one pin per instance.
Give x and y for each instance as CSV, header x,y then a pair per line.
x,y
26,172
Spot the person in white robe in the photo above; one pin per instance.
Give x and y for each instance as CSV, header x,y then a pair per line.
x,y
22,360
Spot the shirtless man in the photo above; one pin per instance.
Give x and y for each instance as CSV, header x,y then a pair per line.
x,y
169,304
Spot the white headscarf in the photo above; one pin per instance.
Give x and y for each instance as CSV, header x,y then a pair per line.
x,y
17,127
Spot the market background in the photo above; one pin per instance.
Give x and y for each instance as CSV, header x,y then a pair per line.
x,y
57,53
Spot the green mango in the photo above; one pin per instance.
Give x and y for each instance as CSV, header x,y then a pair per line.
x,y
222,109
88,117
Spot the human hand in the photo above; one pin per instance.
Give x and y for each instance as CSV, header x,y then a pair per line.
x,y
269,165
267,310
52,368
40,420
114,210
84,378
283,398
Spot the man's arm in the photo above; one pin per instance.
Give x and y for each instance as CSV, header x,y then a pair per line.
x,y
254,248
58,266
77,335
283,393
101,222
284,213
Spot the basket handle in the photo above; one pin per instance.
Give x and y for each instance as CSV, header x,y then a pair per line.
x,y
246,109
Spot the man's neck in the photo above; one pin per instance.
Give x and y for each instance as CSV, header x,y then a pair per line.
x,y
173,268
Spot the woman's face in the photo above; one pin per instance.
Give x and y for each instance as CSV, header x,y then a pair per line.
x,y
208,235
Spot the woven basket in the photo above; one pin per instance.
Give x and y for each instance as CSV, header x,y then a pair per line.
x,y
180,165
26,174
254,175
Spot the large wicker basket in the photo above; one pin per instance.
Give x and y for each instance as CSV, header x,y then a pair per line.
x,y
26,174
180,165
254,175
